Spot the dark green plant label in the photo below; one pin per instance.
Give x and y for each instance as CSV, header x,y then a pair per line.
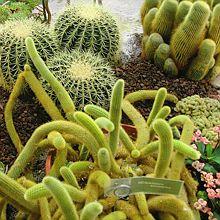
x,y
147,185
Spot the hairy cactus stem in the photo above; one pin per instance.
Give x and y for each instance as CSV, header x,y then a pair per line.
x,y
91,211
87,122
62,197
28,76
119,215
139,122
148,94
96,112
79,133
115,114
186,137
62,95
14,193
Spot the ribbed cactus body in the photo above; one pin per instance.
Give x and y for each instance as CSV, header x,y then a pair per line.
x,y
146,6
88,27
215,71
148,19
86,77
182,11
214,30
170,67
201,63
161,54
151,45
187,37
164,19
13,55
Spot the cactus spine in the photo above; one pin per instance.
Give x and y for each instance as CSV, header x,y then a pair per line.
x,y
167,12
187,37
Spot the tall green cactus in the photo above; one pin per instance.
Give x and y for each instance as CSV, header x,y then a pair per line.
x,y
146,6
214,29
187,37
164,19
151,45
200,65
148,19
161,54
182,11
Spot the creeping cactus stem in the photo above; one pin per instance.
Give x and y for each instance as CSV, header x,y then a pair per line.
x,y
115,113
105,123
115,215
80,134
27,76
104,160
91,211
62,198
165,134
62,95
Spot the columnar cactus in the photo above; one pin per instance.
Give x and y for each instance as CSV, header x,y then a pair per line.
x,y
148,19
182,11
161,54
88,27
200,65
151,45
146,6
164,26
187,37
13,53
214,30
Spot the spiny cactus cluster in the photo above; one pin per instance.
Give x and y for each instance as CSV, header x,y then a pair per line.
x,y
191,31
76,191
85,76
88,27
13,53
204,112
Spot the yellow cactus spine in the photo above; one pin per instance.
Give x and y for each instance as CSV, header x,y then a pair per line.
x,y
187,37
201,64
148,19
214,30
163,22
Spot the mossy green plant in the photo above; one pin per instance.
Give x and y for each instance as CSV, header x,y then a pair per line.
x,y
13,52
91,27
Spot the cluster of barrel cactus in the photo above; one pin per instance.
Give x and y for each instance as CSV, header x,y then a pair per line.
x,y
182,37
13,53
88,27
87,77
75,190
204,112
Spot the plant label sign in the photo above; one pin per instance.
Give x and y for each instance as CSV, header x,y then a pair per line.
x,y
147,185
